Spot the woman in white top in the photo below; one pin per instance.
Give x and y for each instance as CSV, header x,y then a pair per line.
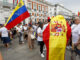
x,y
31,37
40,39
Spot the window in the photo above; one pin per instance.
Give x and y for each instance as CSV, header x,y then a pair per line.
x,y
15,2
43,20
46,9
35,14
5,1
35,20
43,9
39,15
39,7
35,6
29,6
39,20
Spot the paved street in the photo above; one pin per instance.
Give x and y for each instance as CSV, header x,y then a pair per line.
x,y
21,52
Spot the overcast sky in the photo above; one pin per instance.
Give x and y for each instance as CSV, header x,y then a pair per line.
x,y
73,5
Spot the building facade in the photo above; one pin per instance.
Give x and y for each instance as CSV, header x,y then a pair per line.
x,y
5,10
39,9
61,10
50,10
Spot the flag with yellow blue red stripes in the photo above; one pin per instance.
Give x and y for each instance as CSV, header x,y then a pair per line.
x,y
18,15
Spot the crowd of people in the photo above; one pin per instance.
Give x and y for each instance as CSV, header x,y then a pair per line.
x,y
33,32
29,32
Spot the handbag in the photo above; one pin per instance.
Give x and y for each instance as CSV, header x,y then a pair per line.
x,y
77,49
32,36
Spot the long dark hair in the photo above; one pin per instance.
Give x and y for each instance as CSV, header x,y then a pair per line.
x,y
40,25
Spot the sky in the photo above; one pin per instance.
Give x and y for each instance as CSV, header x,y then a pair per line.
x,y
73,5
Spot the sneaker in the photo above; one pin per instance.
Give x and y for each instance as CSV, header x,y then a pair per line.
x,y
68,47
44,49
42,55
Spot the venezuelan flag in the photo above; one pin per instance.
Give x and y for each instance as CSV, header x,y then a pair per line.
x,y
19,14
55,36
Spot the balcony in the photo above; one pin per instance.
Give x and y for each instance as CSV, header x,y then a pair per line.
x,y
6,5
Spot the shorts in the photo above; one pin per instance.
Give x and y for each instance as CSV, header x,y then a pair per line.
x,y
5,40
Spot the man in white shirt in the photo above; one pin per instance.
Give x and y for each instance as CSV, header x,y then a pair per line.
x,y
75,35
19,29
4,36
4,32
75,31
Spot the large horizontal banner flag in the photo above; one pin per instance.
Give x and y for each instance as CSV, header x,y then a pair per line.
x,y
55,36
18,15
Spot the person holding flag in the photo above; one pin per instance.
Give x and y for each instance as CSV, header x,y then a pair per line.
x,y
55,36
44,26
